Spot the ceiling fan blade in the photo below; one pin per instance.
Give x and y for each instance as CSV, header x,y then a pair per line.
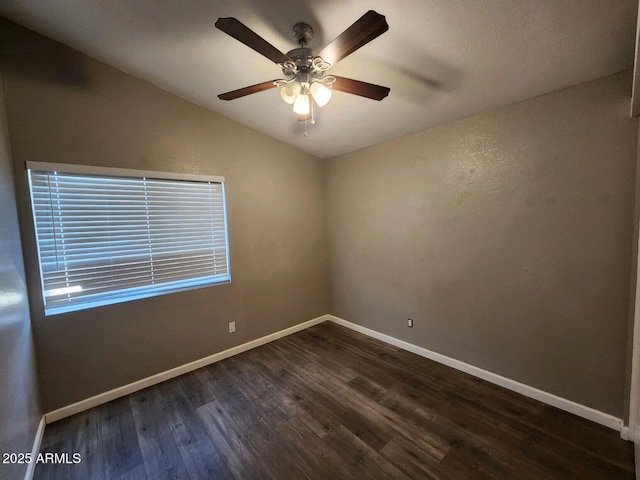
x,y
241,92
233,27
365,29
364,89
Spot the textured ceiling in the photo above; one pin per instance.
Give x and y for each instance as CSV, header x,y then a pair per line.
x,y
443,60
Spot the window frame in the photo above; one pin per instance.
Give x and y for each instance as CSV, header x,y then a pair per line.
x,y
145,292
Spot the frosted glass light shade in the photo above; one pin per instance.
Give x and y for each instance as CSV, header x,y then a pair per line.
x,y
301,104
290,91
321,94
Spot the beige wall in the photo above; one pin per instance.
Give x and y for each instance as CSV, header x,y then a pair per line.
x,y
506,236
65,107
19,407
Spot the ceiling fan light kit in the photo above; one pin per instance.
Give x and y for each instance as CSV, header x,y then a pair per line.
x,y
304,74
301,105
290,91
321,94
305,80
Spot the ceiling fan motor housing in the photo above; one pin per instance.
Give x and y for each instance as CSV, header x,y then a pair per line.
x,y
303,33
302,59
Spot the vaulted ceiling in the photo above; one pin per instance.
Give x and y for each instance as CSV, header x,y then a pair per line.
x,y
443,60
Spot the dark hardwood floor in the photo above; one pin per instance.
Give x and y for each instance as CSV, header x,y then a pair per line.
x,y
329,403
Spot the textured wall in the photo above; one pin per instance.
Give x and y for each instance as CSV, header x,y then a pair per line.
x,y
506,236
19,408
65,107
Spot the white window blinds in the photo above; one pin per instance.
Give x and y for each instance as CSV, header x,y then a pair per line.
x,y
114,235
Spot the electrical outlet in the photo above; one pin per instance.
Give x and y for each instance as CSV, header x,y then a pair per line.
x,y
232,327
410,322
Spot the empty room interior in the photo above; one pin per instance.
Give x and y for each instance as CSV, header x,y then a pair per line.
x,y
323,240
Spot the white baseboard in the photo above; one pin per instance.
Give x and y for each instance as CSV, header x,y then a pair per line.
x,y
35,449
526,390
174,372
532,392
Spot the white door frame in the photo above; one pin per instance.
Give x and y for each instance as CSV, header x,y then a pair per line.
x,y
634,397
633,432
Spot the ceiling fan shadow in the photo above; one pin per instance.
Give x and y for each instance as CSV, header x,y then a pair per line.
x,y
196,23
418,83
47,62
280,15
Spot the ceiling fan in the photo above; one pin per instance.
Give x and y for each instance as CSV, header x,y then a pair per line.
x,y
304,70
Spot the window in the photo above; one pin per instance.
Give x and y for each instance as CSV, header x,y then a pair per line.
x,y
109,235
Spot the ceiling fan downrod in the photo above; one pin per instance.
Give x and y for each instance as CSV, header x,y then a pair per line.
x,y
303,33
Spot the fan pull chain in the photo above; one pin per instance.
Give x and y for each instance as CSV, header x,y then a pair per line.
x,y
313,120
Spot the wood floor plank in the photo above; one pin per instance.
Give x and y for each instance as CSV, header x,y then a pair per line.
x,y
119,438
379,414
360,459
312,450
200,456
409,459
465,462
137,473
103,432
159,449
330,403
452,430
363,421
238,454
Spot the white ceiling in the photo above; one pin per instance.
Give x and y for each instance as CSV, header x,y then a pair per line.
x,y
443,59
